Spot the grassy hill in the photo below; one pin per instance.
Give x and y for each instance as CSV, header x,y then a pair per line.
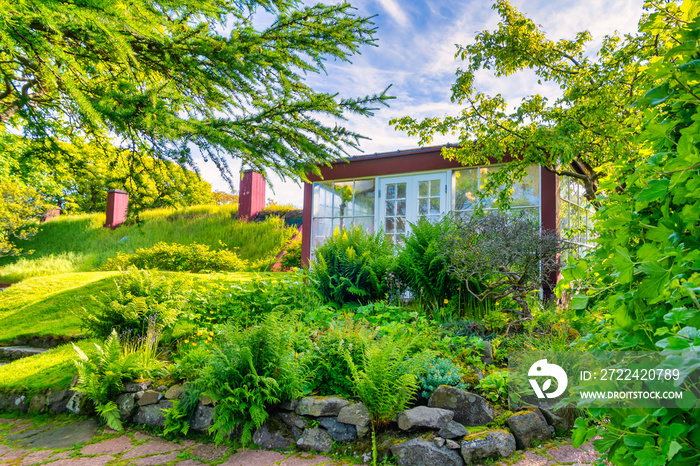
x,y
79,243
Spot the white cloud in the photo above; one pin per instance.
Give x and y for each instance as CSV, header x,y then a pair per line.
x,y
394,10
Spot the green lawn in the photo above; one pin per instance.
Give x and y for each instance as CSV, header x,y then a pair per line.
x,y
52,370
45,305
79,243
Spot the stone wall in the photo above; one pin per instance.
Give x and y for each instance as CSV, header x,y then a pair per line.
x,y
429,435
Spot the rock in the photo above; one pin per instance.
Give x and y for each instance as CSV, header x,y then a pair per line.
x,y
439,441
422,416
469,409
452,445
489,444
419,452
289,405
37,404
161,388
338,431
355,414
203,417
528,426
138,395
207,400
18,402
453,430
133,387
318,406
292,420
149,397
362,431
486,354
57,401
315,439
126,403
62,436
275,440
4,402
152,414
175,392
75,402
75,381
559,419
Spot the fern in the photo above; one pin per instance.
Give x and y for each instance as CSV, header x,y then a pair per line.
x,y
101,377
350,266
251,371
422,265
138,299
385,386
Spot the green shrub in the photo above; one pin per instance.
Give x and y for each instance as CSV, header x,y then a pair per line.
x,y
351,265
140,299
433,371
247,303
422,266
494,386
332,374
101,376
174,257
292,256
251,371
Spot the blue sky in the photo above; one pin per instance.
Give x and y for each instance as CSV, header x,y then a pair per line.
x,y
415,53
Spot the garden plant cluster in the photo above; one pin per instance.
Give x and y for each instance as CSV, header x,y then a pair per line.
x,y
371,321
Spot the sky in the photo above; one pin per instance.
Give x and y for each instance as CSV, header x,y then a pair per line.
x,y
415,54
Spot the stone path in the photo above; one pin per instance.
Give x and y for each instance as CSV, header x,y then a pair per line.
x,y
59,444
86,443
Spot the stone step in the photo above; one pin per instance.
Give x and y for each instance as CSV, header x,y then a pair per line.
x,y
12,353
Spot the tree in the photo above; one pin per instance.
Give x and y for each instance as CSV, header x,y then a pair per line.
x,y
643,277
507,255
20,207
160,78
76,177
580,134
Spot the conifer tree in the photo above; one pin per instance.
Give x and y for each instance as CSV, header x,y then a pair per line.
x,y
162,77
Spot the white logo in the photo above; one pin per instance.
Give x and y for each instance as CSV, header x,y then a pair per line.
x,y
542,369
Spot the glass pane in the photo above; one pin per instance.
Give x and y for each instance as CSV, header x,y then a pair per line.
x,y
423,188
564,218
484,174
465,187
389,225
365,222
400,225
389,209
434,205
422,206
322,199
435,187
342,202
391,191
526,192
401,208
400,190
320,230
364,198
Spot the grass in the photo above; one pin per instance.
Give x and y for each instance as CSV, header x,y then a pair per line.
x,y
52,370
43,306
79,243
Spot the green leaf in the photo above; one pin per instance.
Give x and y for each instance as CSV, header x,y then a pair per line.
x,y
656,191
674,447
657,95
637,441
579,302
